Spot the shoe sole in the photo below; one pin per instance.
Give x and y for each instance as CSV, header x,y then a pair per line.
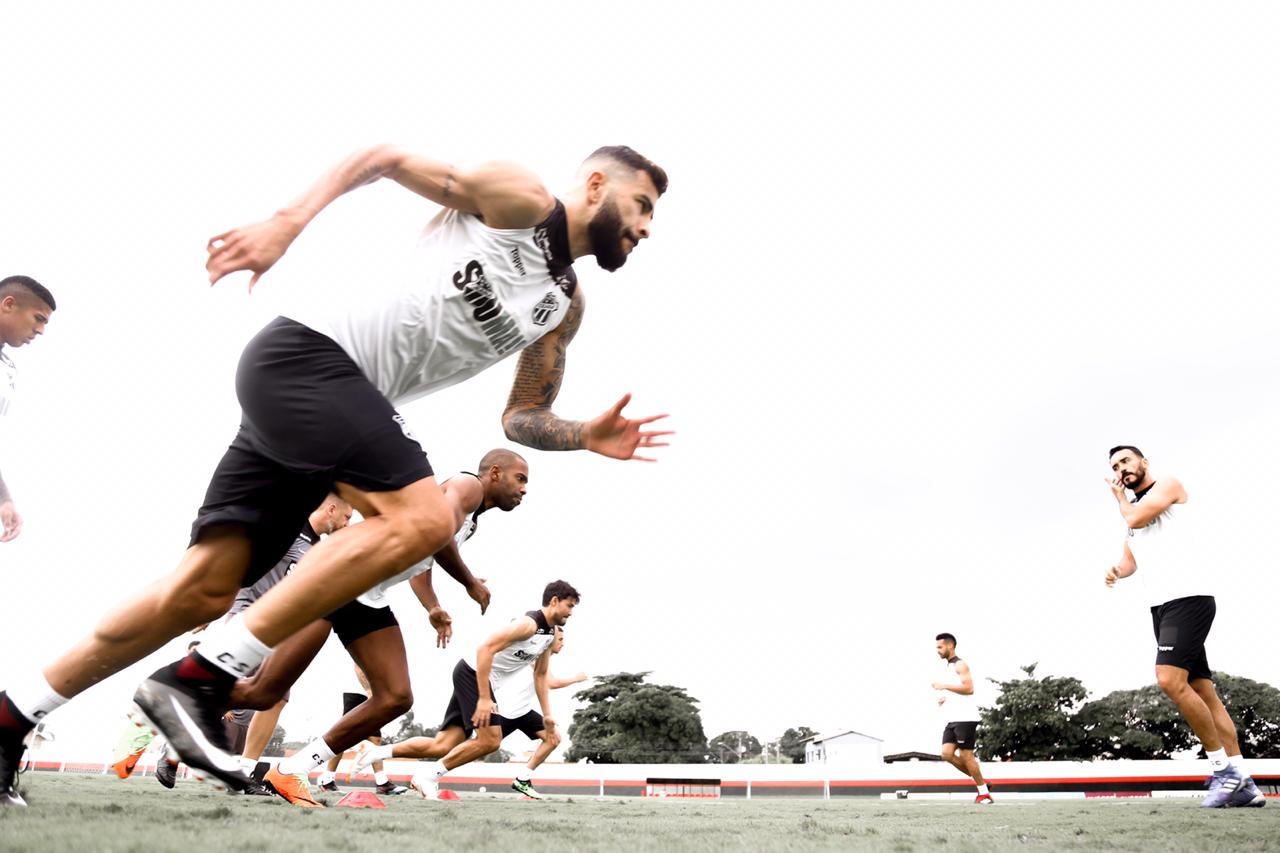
x,y
206,762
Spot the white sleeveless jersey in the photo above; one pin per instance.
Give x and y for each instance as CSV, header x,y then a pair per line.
x,y
473,296
1168,562
8,382
377,596
959,707
508,663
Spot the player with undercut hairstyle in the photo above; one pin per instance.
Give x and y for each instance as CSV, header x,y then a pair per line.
x,y
960,710
1160,540
25,308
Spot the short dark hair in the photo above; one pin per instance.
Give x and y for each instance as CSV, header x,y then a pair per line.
x,y
499,456
630,157
561,590
950,638
1113,451
27,284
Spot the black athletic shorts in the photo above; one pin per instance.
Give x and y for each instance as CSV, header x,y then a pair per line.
x,y
964,734
351,701
237,733
354,620
1181,627
462,705
309,418
531,723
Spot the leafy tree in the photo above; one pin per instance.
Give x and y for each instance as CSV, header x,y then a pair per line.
x,y
500,756
1255,707
1033,720
732,747
408,728
630,722
275,746
1141,723
791,744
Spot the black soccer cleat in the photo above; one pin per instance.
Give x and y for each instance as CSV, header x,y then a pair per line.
x,y
13,730
329,786
189,713
166,771
391,789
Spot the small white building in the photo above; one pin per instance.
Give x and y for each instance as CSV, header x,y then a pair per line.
x,y
844,748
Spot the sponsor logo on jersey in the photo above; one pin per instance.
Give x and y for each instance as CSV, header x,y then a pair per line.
x,y
545,308
516,259
496,322
404,427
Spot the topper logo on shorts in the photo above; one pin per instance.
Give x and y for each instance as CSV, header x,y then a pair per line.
x,y
404,427
496,322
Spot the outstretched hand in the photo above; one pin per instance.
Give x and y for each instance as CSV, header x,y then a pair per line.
x,y
10,522
254,247
618,437
443,623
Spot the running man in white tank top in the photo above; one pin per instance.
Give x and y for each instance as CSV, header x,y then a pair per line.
x,y
960,712
317,413
1159,540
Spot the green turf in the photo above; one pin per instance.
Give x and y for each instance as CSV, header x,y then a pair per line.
x,y
86,814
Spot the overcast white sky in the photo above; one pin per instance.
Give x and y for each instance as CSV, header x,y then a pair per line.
x,y
919,266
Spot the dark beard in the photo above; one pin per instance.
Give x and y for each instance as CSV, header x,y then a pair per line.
x,y
605,233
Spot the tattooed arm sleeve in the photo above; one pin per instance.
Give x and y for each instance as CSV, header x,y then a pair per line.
x,y
528,418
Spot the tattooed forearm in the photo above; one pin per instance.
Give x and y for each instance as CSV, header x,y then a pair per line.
x,y
529,419
367,175
541,429
448,185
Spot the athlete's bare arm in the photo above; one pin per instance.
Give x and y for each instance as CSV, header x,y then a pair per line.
x,y
1165,493
965,687
1122,569
506,195
10,521
464,496
530,421
543,690
519,629
441,621
555,682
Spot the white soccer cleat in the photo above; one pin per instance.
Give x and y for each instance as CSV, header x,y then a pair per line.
x,y
425,786
364,757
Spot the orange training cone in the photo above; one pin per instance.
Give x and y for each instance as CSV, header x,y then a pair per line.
x,y
362,800
446,794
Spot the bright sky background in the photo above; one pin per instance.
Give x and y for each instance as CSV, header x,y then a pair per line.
x,y
919,266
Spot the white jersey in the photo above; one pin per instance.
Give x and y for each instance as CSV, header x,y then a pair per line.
x,y
509,663
959,707
377,596
8,382
1165,551
473,296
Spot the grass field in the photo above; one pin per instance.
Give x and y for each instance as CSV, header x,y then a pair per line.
x,y
88,814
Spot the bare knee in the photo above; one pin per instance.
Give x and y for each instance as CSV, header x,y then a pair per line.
x,y
394,702
489,738
1171,680
414,536
949,752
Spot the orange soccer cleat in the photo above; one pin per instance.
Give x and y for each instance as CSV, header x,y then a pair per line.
x,y
124,767
292,788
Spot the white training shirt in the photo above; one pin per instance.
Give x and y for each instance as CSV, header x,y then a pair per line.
x,y
508,664
8,388
377,596
959,707
472,296
1167,558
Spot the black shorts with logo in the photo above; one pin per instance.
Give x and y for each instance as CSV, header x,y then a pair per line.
x,y
354,620
964,734
530,723
351,701
309,418
1182,626
462,704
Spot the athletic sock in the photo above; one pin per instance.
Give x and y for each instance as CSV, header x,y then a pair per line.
x,y
1237,761
1218,760
31,700
326,777
233,649
436,769
382,753
248,765
380,777
306,759
983,789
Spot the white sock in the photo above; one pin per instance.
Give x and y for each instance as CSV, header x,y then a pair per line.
x,y
380,777
326,777
233,649
982,789
306,759
248,765
1237,761
1218,759
34,698
437,770
382,753
526,776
